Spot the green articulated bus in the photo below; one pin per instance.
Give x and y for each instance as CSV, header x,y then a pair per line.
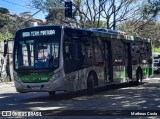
x,y
61,58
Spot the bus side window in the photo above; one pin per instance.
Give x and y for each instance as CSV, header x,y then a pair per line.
x,y
83,53
68,63
73,57
87,55
67,54
98,51
118,51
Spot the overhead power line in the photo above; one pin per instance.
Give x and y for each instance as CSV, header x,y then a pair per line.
x,y
19,5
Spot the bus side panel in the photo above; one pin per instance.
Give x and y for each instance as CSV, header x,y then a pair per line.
x,y
98,51
134,69
100,75
156,62
84,73
119,74
71,80
141,57
78,80
146,59
88,58
119,69
146,70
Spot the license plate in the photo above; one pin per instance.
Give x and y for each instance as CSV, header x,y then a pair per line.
x,y
35,88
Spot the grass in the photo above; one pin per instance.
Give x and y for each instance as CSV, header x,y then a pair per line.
x,y
156,49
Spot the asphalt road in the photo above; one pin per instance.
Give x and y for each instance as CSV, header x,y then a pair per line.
x,y
113,103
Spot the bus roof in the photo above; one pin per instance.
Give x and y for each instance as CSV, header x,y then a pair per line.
x,y
96,32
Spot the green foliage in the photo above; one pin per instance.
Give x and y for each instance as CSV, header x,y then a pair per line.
x,y
53,14
3,16
5,23
156,49
150,9
87,13
3,20
5,36
141,28
4,10
10,24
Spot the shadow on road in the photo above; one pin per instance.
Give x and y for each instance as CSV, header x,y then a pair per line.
x,y
71,95
117,97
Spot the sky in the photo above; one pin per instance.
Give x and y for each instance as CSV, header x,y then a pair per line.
x,y
19,6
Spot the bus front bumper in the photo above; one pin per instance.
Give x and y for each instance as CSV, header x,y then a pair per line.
x,y
57,85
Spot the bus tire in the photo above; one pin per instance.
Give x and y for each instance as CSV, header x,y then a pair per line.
x,y
90,84
52,93
139,76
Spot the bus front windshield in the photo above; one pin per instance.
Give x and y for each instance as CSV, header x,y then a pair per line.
x,y
37,53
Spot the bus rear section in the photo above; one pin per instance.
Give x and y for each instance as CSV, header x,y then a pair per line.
x,y
156,60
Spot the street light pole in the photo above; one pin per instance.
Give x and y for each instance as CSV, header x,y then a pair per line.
x,y
114,15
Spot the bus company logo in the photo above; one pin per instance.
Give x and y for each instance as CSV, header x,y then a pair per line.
x,y
6,113
20,114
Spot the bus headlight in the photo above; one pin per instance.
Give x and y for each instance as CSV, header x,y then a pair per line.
x,y
16,77
57,75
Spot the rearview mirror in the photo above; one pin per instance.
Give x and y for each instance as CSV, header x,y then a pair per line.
x,y
5,48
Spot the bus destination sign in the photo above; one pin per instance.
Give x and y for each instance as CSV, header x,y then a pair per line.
x,y
38,33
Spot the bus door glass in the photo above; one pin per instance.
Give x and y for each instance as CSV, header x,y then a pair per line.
x,y
108,61
128,60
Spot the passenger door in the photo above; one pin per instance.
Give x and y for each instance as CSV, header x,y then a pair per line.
x,y
108,65
128,60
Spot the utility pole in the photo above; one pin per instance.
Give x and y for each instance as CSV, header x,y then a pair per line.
x,y
114,15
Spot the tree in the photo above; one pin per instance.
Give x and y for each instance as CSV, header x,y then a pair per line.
x,y
151,8
150,30
3,16
5,36
4,20
89,13
4,10
10,23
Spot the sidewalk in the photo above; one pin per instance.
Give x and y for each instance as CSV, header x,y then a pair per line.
x,y
155,79
6,84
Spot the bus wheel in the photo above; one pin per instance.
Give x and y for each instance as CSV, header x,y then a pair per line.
x,y
52,93
139,77
90,84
